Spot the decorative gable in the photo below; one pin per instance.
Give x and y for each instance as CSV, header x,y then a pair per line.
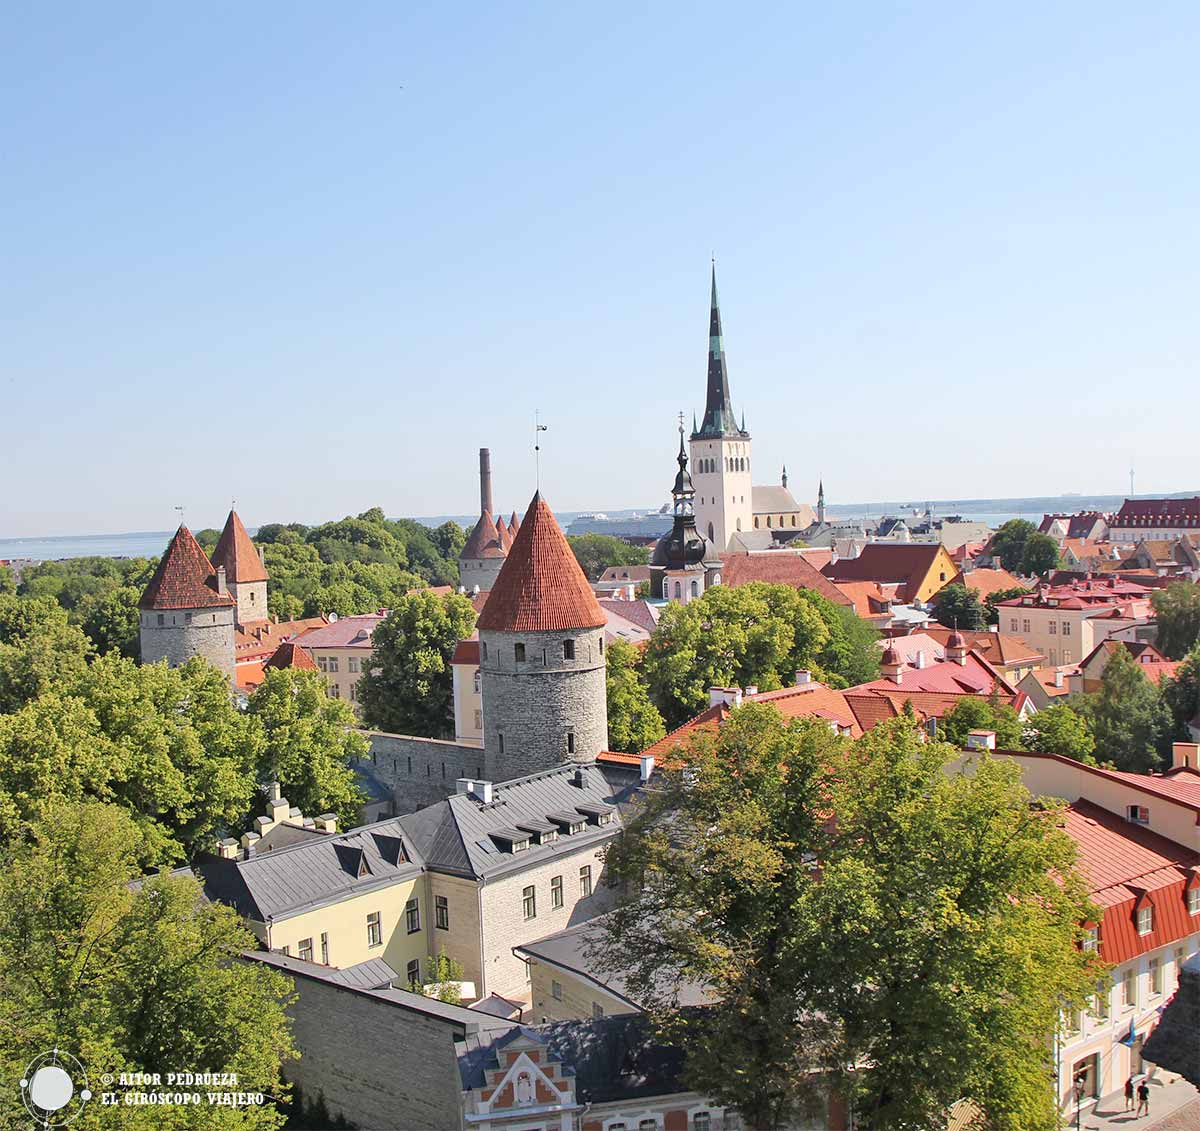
x,y
526,1081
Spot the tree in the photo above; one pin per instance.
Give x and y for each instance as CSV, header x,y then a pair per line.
x,y
310,743
974,712
1040,555
1177,610
1060,730
7,583
1008,543
129,973
1127,716
935,943
408,689
993,599
39,650
1181,696
111,622
956,606
596,552
444,974
633,720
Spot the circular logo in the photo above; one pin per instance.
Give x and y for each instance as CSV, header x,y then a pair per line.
x,y
54,1088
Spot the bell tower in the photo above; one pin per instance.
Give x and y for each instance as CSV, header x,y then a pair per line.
x,y
720,449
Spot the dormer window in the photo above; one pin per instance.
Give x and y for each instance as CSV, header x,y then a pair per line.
x,y
1091,938
1193,901
1137,814
1145,919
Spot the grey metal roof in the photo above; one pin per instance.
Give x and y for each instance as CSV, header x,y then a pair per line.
x,y
455,835
772,500
374,974
288,880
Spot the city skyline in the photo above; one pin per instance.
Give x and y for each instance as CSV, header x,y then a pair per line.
x,y
958,247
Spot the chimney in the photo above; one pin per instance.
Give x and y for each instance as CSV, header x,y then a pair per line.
x,y
227,848
483,792
577,779
274,791
919,662
485,481
730,696
1058,677
646,767
981,740
326,823
803,676
222,588
464,785
751,689
249,840
1185,755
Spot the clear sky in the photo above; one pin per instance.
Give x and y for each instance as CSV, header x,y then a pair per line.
x,y
315,255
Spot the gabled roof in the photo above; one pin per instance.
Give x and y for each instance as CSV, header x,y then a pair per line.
x,y
289,654
483,541
781,567
1150,661
184,579
1000,648
988,581
1150,512
346,632
773,499
908,562
975,677
541,587
237,554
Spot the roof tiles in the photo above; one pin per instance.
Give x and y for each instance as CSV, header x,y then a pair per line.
x,y
184,579
237,554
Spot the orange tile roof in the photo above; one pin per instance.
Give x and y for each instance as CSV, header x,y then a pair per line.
x,y
184,579
258,639
1045,676
870,599
514,524
988,581
237,554
466,652
541,587
502,534
781,567
909,562
289,654
1000,648
483,542
680,737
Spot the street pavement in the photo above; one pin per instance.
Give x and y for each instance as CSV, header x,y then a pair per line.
x,y
1174,1106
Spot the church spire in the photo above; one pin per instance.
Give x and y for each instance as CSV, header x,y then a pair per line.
x,y
718,408
820,500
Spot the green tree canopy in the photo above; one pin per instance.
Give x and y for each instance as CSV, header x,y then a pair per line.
x,y
596,552
39,650
993,599
1127,716
936,942
634,722
1040,555
974,712
1177,611
409,688
130,976
1181,696
1058,729
310,743
957,606
1008,543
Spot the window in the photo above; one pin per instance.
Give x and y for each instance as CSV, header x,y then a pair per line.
x,y
1138,814
519,653
501,737
335,692
352,665
701,1121
285,950
1066,628
556,990
441,912
679,588
1025,625
556,892
412,917
1100,1002
483,650
1193,901
325,948
1145,919
1156,977
1012,624
1091,939
1129,987
412,973
322,663
597,1010
374,930
570,742
585,881
529,902
187,618
161,620
305,951
478,682
568,649
602,644
647,1125
333,664
1054,628
479,720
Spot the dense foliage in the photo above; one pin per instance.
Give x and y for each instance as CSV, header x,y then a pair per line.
x,y
914,952
1060,729
993,599
1177,611
596,552
1008,543
634,722
131,975
1128,718
956,606
974,712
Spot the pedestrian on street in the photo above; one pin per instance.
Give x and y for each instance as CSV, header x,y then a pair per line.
x,y
1143,1105
1129,1094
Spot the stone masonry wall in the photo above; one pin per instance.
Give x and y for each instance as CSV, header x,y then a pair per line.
x,y
381,1066
251,598
530,706
186,633
421,770
479,571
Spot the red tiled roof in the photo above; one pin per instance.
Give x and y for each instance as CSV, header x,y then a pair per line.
x,y
184,579
682,735
1124,864
869,598
514,524
1159,512
289,654
502,534
483,542
259,638
466,652
987,581
999,648
639,612
541,587
883,562
782,568
237,554
975,677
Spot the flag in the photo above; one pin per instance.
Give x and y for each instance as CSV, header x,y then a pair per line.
x,y
1130,1038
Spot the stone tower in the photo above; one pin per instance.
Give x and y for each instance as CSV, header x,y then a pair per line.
x,y
721,450
684,564
541,656
187,609
245,573
483,555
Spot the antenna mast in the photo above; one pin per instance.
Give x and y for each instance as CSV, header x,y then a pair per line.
x,y
538,426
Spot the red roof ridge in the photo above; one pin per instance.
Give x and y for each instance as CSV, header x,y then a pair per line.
x,y
237,554
184,579
540,587
289,654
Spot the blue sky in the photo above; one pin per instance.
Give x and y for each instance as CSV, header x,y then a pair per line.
x,y
314,256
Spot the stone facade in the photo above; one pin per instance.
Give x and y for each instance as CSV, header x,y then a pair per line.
x,y
176,635
479,573
421,771
544,700
251,598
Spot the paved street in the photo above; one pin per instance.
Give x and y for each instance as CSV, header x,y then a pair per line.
x,y
1174,1106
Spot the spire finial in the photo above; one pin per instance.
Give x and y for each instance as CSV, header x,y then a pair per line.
x,y
538,426
179,508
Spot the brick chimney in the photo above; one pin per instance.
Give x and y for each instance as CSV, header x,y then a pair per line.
x,y
485,481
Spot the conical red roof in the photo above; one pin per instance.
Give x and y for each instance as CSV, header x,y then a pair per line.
x,y
291,655
237,554
185,578
514,524
502,532
540,587
483,541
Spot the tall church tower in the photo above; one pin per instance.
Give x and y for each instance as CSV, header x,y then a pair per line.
x,y
720,450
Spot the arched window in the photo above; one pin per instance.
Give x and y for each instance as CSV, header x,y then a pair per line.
x,y
711,536
739,524
695,588
756,522
678,591
793,520
768,522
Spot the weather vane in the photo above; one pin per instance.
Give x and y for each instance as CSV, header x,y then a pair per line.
x,y
538,426
179,508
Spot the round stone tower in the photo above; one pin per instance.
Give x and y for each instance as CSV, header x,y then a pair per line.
x,y
541,656
187,609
